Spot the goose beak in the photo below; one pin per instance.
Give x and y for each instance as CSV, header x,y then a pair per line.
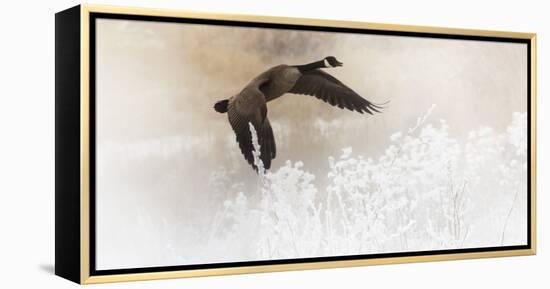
x,y
338,63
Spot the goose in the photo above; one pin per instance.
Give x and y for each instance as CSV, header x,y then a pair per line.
x,y
250,105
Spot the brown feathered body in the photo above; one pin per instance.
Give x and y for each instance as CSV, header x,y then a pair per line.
x,y
250,104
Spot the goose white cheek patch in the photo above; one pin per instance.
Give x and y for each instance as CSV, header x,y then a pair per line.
x,y
326,63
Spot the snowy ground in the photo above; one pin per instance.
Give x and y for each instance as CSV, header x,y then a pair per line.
x,y
427,191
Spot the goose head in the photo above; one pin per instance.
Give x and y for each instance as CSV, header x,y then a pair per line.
x,y
330,61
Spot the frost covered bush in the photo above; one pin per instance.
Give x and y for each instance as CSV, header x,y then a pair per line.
x,y
426,191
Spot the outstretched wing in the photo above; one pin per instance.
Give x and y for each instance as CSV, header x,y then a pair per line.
x,y
331,90
249,107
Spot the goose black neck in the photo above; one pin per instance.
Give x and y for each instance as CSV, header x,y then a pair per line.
x,y
311,66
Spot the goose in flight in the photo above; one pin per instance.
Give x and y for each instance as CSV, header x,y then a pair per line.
x,y
250,105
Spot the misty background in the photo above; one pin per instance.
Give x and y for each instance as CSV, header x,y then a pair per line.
x,y
167,162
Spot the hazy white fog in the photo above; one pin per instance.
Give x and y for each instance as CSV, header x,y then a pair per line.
x,y
168,168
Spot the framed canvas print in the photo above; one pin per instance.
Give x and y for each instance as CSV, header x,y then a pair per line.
x,y
193,144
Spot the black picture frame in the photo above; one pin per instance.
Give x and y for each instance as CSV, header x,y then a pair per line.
x,y
75,124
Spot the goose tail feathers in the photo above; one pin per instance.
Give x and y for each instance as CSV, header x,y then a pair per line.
x,y
221,106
